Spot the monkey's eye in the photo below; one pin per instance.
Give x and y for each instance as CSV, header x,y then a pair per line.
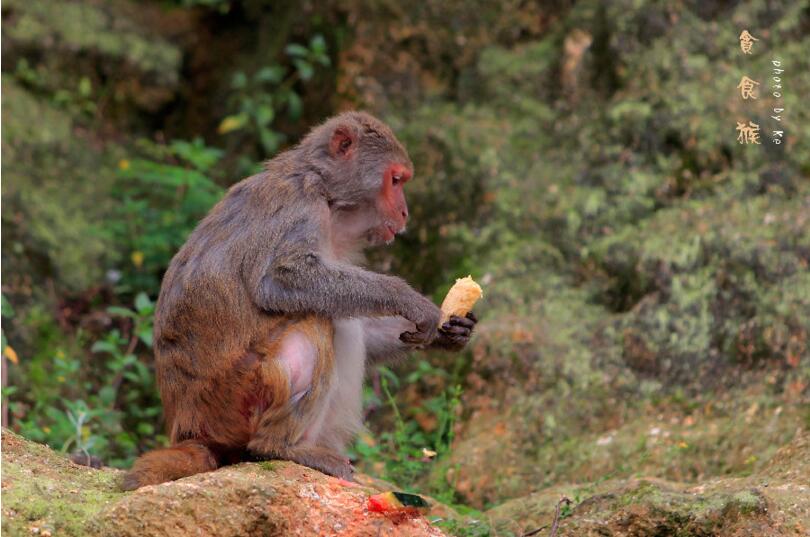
x,y
396,179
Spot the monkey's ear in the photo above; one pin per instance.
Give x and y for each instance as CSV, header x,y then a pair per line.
x,y
343,142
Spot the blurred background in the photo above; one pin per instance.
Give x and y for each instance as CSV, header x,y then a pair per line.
x,y
647,293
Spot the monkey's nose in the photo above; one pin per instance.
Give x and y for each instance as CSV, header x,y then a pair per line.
x,y
405,213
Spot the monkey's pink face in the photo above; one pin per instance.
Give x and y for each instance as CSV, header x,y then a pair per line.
x,y
386,213
391,204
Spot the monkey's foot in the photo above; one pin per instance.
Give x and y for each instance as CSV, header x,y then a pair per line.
x,y
322,459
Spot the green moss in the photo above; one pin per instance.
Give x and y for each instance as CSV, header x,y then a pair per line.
x,y
748,502
43,489
56,191
644,492
89,27
270,466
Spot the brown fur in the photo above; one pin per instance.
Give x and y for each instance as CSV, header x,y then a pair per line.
x,y
272,259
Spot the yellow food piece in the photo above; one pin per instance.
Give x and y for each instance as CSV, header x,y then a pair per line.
x,y
461,298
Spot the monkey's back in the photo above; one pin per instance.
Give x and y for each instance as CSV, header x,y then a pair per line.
x,y
207,327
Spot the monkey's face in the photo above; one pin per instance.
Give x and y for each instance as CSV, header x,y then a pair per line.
x,y
371,169
391,205
376,220
384,207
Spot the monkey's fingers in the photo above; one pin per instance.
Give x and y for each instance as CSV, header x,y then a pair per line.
x,y
459,341
454,330
344,472
459,321
412,338
471,316
341,470
451,342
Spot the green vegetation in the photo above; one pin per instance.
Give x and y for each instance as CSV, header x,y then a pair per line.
x,y
74,406
258,98
161,201
405,451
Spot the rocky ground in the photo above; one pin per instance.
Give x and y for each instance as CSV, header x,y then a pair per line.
x,y
46,494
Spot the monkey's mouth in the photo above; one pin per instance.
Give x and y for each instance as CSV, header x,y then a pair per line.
x,y
389,231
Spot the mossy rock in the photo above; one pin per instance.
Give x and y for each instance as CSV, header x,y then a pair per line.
x,y
765,503
45,494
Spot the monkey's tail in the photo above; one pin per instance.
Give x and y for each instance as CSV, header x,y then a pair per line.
x,y
180,460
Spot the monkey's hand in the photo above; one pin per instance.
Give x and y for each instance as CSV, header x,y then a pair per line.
x,y
455,333
426,316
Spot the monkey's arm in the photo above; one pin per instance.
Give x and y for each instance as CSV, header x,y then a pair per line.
x,y
296,277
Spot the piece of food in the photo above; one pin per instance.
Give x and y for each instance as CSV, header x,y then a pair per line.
x,y
461,298
397,503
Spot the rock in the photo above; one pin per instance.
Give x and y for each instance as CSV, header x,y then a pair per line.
x,y
774,502
44,492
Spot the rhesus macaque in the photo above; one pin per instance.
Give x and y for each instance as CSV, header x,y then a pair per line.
x,y
264,322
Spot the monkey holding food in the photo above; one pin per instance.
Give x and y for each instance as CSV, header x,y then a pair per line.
x,y
264,322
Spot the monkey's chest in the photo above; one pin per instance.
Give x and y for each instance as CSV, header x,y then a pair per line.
x,y
339,414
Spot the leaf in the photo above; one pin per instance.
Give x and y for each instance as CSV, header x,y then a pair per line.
x,y
272,74
294,105
296,50
85,87
196,153
5,307
265,115
118,311
132,377
142,302
137,258
239,80
386,373
305,69
11,354
270,140
107,395
145,334
232,123
145,429
317,44
104,346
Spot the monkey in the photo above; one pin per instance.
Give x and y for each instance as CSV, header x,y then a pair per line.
x,y
266,319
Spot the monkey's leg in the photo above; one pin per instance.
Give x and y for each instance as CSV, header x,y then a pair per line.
x,y
323,459
290,432
181,460
344,411
287,436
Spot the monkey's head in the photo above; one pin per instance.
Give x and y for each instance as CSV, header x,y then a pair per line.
x,y
364,168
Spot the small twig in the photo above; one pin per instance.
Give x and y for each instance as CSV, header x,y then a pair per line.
x,y
555,524
534,532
